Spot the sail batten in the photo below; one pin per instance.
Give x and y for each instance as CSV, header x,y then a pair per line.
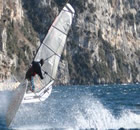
x,y
52,50
59,30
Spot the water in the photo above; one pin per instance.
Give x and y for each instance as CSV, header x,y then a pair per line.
x,y
81,107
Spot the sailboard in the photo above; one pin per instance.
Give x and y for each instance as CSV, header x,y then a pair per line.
x,y
15,102
50,50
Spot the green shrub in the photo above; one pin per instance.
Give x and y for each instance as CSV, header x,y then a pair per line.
x,y
29,32
91,8
129,17
138,53
134,71
101,69
11,41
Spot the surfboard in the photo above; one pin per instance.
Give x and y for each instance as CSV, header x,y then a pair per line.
x,y
15,102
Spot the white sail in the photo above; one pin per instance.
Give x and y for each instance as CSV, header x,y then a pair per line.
x,y
51,49
53,44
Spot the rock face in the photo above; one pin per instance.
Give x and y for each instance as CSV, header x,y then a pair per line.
x,y
103,45
108,31
17,39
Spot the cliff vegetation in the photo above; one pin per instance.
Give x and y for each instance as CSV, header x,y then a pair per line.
x,y
103,45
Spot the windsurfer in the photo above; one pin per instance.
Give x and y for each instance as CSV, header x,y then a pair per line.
x,y
34,69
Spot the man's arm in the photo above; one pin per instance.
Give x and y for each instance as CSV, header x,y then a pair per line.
x,y
40,74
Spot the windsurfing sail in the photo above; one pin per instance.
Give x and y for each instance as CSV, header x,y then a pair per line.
x,y
50,50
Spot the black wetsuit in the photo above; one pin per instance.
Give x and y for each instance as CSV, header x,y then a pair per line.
x,y
37,68
33,70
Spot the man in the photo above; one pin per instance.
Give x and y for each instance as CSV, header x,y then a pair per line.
x,y
32,71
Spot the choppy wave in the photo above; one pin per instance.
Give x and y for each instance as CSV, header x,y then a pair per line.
x,y
92,114
73,108
81,112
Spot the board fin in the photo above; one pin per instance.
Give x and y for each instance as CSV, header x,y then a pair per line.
x,y
15,102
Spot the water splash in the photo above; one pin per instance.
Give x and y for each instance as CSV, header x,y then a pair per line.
x,y
92,114
84,112
4,102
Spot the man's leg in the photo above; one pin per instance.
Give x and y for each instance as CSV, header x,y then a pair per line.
x,y
32,84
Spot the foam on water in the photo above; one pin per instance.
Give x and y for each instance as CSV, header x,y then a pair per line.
x,y
95,115
71,109
83,113
4,101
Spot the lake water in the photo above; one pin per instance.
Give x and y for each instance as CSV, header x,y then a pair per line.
x,y
80,107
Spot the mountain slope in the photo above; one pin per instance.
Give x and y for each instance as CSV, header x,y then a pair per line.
x,y
103,45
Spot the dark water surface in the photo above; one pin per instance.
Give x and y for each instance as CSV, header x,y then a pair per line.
x,y
80,107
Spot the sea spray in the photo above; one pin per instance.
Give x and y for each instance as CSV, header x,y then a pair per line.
x,y
4,102
77,108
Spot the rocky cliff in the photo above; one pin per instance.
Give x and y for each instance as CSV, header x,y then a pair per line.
x,y
103,45
106,36
17,40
